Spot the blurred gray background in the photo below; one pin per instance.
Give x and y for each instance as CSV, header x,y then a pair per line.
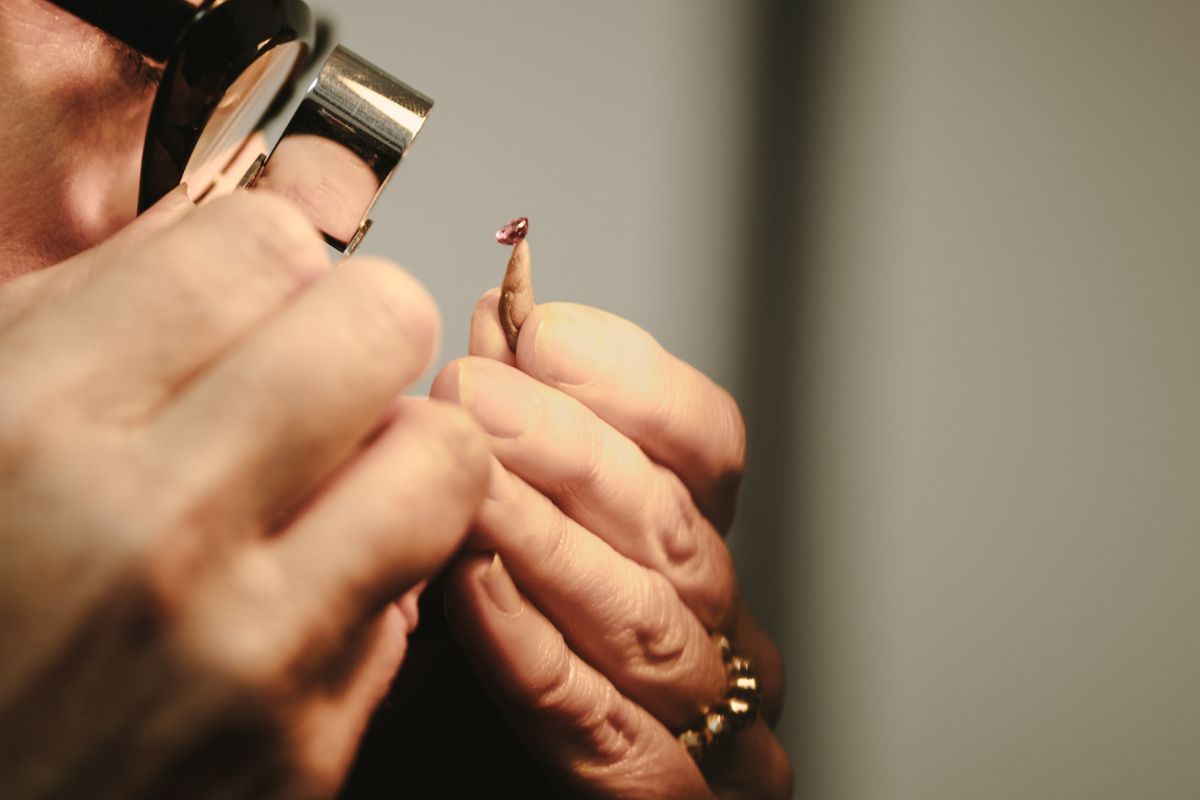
x,y
947,254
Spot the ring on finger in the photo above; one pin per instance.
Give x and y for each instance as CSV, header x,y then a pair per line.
x,y
736,712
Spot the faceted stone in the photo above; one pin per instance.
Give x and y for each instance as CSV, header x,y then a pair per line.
x,y
745,686
514,231
717,727
741,713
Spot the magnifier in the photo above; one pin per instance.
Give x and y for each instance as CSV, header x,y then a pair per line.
x,y
225,63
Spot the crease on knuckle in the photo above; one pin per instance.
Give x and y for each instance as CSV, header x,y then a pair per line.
x,y
658,639
612,735
678,523
556,685
550,547
693,554
585,476
594,717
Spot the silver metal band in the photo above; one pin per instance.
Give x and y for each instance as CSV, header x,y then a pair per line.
x,y
342,146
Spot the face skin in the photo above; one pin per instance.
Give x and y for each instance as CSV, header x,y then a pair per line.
x,y
76,104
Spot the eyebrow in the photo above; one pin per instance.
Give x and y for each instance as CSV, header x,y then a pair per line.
x,y
140,73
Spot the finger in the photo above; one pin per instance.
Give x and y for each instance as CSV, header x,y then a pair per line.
x,y
622,618
275,416
157,317
487,334
675,413
598,741
751,641
42,287
331,727
392,517
598,477
751,766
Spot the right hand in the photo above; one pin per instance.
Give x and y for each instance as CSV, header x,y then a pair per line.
x,y
210,502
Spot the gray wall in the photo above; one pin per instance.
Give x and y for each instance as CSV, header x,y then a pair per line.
x,y
998,580
947,254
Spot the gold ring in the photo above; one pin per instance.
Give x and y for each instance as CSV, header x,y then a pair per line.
x,y
736,712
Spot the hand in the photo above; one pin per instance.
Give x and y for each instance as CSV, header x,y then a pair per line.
x,y
615,467
211,501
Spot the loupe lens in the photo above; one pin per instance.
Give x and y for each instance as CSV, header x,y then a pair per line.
x,y
237,115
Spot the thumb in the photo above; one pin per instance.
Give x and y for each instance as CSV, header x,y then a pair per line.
x,y
64,278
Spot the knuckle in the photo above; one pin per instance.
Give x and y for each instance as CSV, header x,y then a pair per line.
x,y
580,478
612,734
228,622
658,640
693,555
731,427
679,525
271,233
592,712
551,545
390,302
455,435
560,687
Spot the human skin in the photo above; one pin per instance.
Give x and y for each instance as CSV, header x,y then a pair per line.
x,y
208,532
216,506
614,474
205,533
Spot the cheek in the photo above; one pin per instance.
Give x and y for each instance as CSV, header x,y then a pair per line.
x,y
101,187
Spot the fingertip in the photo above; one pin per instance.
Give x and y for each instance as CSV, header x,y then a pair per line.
x,y
172,208
499,589
409,607
489,302
174,205
566,344
391,645
447,386
462,578
464,442
400,298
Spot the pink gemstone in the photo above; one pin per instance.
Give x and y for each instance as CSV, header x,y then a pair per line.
x,y
514,231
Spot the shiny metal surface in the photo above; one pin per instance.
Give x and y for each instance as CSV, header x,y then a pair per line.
x,y
343,145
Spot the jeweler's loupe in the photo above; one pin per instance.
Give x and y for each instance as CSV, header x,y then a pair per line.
x,y
342,146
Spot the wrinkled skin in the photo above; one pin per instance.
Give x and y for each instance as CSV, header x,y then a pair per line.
x,y
217,511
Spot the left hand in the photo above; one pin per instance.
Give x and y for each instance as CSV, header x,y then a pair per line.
x,y
615,470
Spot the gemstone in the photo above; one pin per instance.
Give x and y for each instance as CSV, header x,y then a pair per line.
x,y
514,231
740,713
695,743
717,728
744,686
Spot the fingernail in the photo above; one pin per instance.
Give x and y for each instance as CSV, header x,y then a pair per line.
x,y
497,400
568,352
174,203
500,589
